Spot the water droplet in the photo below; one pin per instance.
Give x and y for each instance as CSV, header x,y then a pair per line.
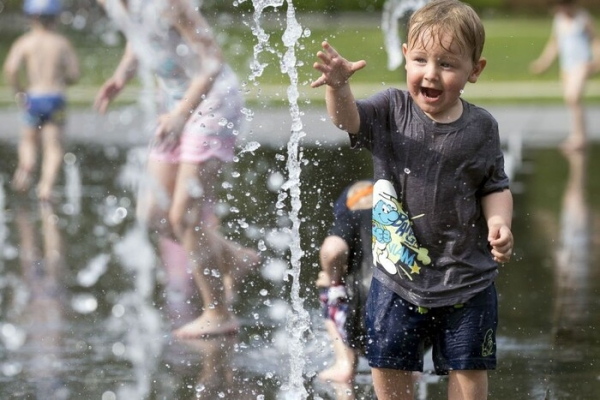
x,y
250,147
84,303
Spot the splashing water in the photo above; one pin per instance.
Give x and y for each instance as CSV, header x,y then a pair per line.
x,y
72,185
394,11
3,228
298,319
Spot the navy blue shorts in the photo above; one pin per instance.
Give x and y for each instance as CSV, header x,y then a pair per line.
x,y
463,337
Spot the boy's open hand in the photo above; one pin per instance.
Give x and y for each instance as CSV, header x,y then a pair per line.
x,y
335,69
501,239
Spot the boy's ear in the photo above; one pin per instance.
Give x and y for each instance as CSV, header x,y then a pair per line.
x,y
404,51
477,70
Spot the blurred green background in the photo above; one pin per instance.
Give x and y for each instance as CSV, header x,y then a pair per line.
x,y
516,33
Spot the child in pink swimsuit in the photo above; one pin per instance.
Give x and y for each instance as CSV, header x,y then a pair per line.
x,y
200,107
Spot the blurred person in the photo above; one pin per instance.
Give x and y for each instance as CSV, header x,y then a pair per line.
x,y
573,256
200,106
42,317
442,207
50,65
180,291
344,280
573,40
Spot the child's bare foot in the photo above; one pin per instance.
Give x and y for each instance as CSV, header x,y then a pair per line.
x,y
21,181
208,324
342,371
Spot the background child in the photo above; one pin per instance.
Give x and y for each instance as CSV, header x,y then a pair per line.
x,y
201,114
572,40
344,280
50,63
442,209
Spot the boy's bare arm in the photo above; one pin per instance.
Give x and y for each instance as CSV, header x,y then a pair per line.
x,y
335,73
341,107
498,210
12,65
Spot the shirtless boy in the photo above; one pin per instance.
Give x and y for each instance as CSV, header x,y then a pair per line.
x,y
51,64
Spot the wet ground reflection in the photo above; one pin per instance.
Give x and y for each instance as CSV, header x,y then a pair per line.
x,y
85,310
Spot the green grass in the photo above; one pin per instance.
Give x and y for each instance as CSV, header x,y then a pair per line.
x,y
512,43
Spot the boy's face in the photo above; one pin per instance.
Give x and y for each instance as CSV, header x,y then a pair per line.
x,y
437,70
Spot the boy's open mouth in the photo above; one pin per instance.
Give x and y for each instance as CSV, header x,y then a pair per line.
x,y
431,93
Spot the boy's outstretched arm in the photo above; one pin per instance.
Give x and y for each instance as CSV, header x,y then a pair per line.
x,y
12,64
497,209
335,73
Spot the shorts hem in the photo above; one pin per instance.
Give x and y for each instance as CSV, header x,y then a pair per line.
x,y
393,364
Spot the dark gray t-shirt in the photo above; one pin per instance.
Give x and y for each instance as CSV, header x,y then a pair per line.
x,y
429,233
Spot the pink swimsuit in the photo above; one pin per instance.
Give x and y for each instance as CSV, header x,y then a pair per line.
x,y
212,129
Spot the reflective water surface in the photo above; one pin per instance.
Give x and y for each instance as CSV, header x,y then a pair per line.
x,y
86,304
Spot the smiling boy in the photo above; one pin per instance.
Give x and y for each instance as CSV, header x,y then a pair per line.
x,y
442,201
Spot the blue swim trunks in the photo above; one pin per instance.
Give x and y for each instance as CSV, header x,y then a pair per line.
x,y
46,108
463,337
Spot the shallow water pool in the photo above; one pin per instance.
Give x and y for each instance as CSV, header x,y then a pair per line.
x,y
85,306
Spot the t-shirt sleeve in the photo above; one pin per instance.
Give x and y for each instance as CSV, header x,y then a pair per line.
x,y
374,116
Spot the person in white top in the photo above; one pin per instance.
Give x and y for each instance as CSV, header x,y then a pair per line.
x,y
200,114
574,42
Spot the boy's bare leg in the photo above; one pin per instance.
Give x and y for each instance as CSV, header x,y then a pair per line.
x,y
344,366
468,385
51,137
27,152
204,246
391,384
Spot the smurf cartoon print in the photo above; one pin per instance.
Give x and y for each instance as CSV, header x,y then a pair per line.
x,y
395,248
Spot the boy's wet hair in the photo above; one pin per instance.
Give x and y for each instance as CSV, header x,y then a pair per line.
x,y
449,17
